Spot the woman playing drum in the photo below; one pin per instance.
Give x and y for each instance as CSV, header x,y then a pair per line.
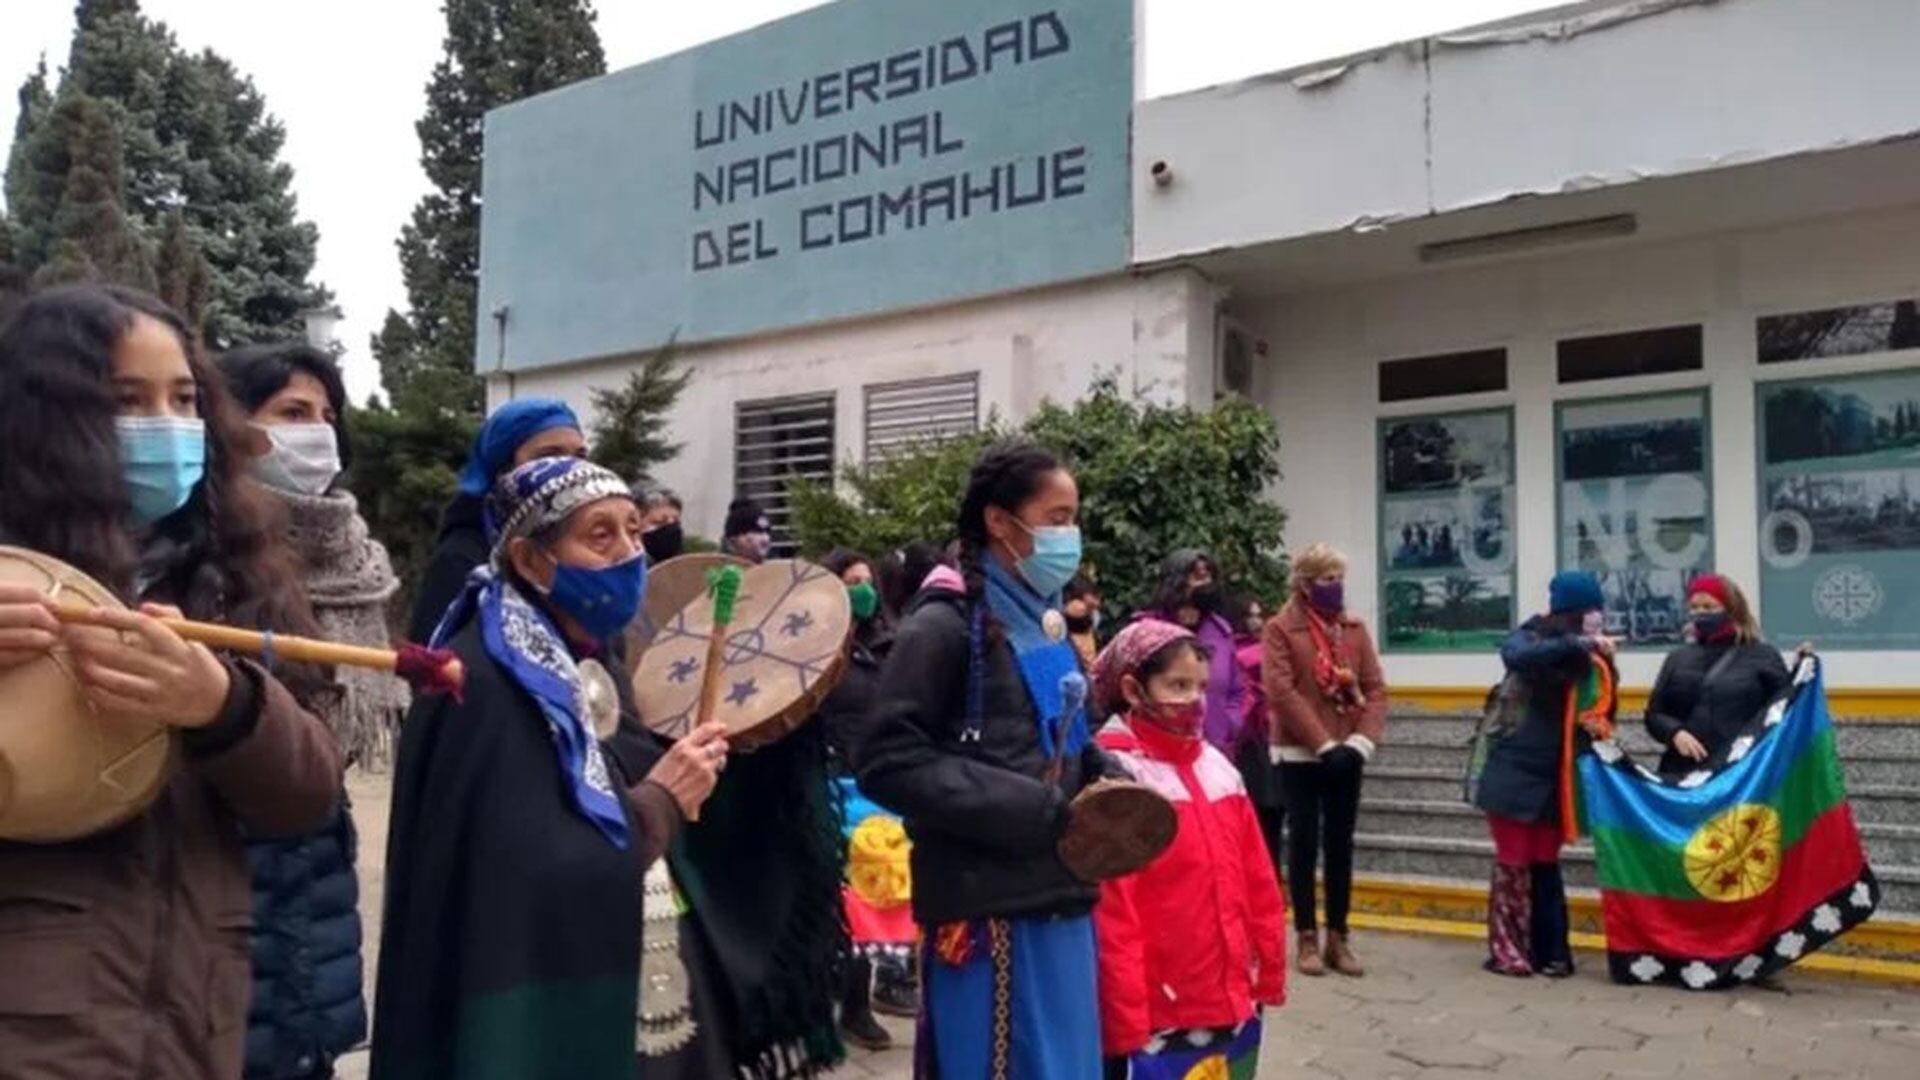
x,y
125,952
511,942
969,707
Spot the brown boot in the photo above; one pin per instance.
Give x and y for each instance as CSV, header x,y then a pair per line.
x,y
1340,958
1306,953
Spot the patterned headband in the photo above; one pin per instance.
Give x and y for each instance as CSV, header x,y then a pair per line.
x,y
546,492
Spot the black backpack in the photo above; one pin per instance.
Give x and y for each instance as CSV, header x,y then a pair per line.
x,y
1502,711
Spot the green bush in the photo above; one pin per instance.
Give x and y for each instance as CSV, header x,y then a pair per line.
x,y
1152,479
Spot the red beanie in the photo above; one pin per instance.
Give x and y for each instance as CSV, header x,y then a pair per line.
x,y
1713,585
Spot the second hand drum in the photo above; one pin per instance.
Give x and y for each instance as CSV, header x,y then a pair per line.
x,y
785,650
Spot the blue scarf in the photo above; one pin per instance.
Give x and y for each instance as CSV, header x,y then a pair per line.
x,y
1050,667
527,646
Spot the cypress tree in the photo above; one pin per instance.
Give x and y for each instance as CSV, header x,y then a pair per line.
x,y
196,141
92,239
495,52
410,451
182,276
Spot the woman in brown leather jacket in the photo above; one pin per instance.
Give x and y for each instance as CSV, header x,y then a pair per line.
x,y
125,952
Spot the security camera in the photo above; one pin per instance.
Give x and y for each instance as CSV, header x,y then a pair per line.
x,y
1162,174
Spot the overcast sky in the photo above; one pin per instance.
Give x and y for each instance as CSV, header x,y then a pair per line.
x,y
347,79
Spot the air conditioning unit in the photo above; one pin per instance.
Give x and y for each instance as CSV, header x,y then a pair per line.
x,y
1236,354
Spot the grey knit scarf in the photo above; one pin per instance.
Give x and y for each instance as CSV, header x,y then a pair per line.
x,y
349,581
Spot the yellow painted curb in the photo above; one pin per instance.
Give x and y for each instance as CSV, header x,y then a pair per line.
x,y
1854,703
1886,950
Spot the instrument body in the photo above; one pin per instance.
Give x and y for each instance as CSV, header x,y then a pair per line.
x,y
671,586
783,653
1114,828
66,770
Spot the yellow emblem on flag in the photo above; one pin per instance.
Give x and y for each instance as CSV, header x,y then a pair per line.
x,y
1736,855
877,865
1209,1068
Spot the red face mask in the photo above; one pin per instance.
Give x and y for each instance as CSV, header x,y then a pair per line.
x,y
1182,719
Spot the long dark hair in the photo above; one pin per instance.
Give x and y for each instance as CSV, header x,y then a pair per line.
x,y
1008,474
254,373
61,491
902,573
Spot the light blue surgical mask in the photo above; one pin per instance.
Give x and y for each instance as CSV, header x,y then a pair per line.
x,y
1055,558
162,459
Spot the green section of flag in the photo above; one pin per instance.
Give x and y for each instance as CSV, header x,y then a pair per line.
x,y
1631,861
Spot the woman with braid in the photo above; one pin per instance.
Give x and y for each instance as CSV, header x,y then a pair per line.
x,y
969,706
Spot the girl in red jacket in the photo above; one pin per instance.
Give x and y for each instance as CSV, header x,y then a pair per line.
x,y
1192,945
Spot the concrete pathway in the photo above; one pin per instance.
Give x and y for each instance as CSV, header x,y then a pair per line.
x,y
1425,1011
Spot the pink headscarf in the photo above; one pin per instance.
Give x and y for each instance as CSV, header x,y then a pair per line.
x,y
1129,649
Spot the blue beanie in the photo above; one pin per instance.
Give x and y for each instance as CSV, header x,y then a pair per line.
x,y
1574,590
509,426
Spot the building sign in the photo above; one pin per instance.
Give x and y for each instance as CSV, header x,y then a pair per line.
x,y
1446,530
1636,506
859,157
1840,510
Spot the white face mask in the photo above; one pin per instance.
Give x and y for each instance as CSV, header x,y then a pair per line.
x,y
305,458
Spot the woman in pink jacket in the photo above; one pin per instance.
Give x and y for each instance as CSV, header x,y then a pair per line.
x,y
1194,944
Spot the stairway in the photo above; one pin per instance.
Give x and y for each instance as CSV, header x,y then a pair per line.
x,y
1413,823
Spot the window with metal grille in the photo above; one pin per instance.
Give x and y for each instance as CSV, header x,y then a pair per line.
x,y
900,414
775,442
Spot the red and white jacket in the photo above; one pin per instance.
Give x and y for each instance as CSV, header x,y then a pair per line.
x,y
1197,939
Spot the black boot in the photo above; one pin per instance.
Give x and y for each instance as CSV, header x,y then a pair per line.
x,y
856,1010
1550,950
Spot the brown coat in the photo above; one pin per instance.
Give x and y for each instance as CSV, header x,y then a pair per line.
x,y
123,956
1304,721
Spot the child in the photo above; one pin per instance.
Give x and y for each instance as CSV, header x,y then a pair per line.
x,y
1192,945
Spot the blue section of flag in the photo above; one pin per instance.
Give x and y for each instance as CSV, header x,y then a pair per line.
x,y
1622,799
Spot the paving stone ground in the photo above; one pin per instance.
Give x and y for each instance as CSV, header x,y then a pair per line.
x,y
1425,1011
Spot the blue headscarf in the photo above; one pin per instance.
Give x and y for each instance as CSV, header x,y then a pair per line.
x,y
509,426
525,643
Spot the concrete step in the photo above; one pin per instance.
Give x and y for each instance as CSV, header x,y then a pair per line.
x,y
1891,845
1420,750
1899,737
1471,861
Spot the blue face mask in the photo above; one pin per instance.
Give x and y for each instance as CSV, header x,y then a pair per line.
x,y
602,601
162,458
1055,558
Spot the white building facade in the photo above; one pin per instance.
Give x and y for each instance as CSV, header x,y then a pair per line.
x,y
1627,286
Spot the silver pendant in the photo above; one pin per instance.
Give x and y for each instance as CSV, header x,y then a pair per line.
x,y
599,699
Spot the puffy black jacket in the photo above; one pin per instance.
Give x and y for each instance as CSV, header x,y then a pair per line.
x,y
308,1006
1521,779
983,821
1711,710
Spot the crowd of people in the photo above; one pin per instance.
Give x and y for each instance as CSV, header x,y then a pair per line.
x,y
569,893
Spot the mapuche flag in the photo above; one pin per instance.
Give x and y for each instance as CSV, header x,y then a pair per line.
x,y
1733,872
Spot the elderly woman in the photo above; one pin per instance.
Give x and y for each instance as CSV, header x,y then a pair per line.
x,y
518,850
1525,787
1329,703
1711,686
517,432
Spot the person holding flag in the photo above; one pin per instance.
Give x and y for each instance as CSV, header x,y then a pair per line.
x,y
1711,686
1560,666
1737,870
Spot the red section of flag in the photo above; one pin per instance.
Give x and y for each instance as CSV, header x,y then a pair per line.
x,y
869,925
1825,861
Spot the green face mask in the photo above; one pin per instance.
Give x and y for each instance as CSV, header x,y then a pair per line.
x,y
864,599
